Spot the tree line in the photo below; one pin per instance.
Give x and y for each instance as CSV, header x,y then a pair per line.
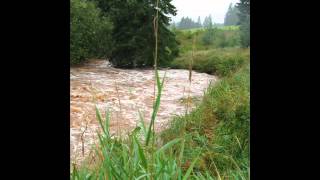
x,y
188,23
122,31
231,19
236,15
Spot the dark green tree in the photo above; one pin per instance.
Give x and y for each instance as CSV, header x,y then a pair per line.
x,y
207,23
199,24
207,38
181,24
244,17
231,17
188,23
90,33
173,26
133,32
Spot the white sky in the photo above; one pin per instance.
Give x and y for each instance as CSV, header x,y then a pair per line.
x,y
202,8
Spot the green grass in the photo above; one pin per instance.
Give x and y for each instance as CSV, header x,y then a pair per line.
x,y
229,27
219,27
218,129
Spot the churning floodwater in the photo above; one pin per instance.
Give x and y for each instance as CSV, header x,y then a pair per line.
x,y
125,92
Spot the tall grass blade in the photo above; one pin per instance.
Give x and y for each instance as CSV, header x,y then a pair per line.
x,y
156,105
142,176
100,120
75,174
185,177
182,151
143,124
88,176
168,145
141,154
107,123
216,169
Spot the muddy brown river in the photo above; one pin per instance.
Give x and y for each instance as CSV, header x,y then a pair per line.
x,y
124,92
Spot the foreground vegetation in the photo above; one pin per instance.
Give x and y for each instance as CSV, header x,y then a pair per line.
x,y
218,129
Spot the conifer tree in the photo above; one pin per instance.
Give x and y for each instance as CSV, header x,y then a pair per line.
x,y
244,17
231,17
199,22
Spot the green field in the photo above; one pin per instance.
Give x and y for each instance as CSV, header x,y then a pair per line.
x,y
221,38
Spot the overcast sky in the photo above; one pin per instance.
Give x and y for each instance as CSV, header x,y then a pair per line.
x,y
202,8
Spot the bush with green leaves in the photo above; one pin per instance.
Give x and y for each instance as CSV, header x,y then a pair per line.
x,y
221,62
207,37
89,33
217,37
220,38
133,34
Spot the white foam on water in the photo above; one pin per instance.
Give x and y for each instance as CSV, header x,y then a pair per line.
x,y
135,88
